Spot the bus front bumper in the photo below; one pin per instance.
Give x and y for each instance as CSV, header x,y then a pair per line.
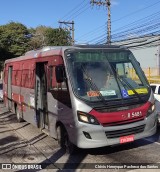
x,y
94,136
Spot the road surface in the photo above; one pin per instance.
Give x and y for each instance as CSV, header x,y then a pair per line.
x,y
23,143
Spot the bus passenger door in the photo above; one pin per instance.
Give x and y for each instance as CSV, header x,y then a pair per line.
x,y
9,87
41,95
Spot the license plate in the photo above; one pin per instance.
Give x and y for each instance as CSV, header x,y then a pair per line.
x,y
126,139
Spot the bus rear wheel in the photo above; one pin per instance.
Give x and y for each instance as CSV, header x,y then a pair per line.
x,y
18,115
64,142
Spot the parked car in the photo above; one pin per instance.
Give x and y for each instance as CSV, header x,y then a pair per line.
x,y
156,91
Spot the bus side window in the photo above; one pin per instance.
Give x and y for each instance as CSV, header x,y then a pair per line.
x,y
54,85
59,90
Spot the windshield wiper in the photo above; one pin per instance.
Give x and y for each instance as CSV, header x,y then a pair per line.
x,y
93,85
124,83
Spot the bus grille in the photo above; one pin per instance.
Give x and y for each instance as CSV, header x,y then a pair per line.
x,y
123,122
125,132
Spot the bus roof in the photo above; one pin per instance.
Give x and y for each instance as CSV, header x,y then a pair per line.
x,y
58,50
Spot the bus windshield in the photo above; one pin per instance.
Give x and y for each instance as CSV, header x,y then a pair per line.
x,y
105,74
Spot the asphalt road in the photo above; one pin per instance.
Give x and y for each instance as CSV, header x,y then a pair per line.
x,y
23,143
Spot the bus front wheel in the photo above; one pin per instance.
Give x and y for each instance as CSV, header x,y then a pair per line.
x,y
64,142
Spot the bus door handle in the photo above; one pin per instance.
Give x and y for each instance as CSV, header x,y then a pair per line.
x,y
59,108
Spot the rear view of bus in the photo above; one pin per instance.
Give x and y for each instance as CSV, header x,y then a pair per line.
x,y
111,98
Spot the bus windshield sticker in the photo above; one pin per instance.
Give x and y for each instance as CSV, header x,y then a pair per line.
x,y
108,93
139,91
124,93
93,93
103,93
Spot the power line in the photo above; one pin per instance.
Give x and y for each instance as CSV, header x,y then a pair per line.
x,y
73,10
98,31
77,11
135,22
106,3
136,12
148,25
151,5
85,9
93,31
138,30
153,41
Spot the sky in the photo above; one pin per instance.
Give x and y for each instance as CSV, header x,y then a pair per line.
x,y
90,20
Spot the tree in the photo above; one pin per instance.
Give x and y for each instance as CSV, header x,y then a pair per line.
x,y
13,41
16,39
37,37
47,36
57,37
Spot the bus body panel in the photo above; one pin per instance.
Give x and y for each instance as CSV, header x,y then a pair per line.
x,y
30,85
99,138
98,133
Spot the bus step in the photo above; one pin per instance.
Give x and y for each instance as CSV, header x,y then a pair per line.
x,y
45,131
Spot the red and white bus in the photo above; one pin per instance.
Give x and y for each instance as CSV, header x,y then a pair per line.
x,y
86,96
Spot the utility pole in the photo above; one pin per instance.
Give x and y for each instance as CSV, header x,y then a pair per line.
x,y
158,60
106,3
71,28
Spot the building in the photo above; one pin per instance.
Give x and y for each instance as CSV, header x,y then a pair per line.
x,y
147,51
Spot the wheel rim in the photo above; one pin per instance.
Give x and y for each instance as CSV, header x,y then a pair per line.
x,y
18,116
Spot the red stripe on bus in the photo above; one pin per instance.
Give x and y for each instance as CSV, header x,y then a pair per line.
x,y
131,115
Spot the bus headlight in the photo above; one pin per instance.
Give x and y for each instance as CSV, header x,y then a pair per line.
x,y
87,118
151,110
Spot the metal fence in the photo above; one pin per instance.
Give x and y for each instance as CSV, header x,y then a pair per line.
x,y
152,74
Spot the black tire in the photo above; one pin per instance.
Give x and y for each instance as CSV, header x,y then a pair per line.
x,y
69,147
158,123
60,136
18,115
64,142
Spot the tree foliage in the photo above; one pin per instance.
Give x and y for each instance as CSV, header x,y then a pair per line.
x,y
47,36
37,39
16,39
57,37
13,41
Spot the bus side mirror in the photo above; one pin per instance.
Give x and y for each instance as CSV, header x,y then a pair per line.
x,y
60,74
